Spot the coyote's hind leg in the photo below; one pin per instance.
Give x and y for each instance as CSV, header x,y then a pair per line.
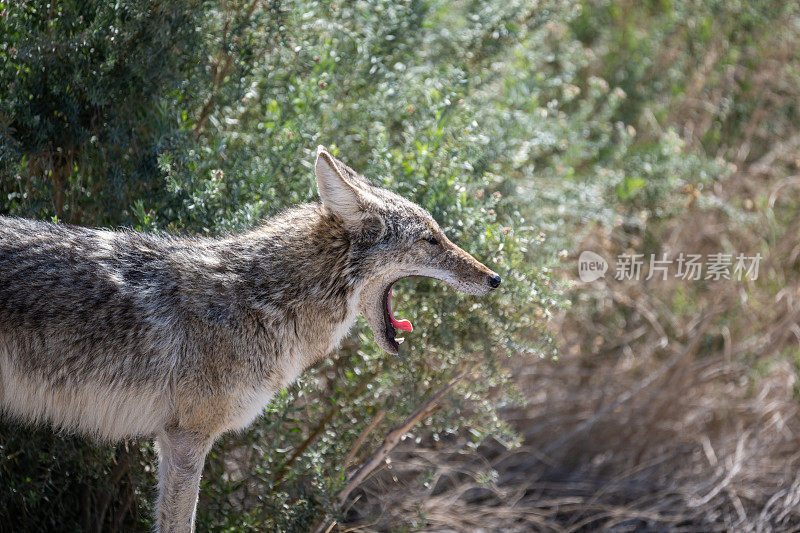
x,y
182,454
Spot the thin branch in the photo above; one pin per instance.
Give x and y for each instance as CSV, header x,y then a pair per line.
x,y
361,438
316,432
219,74
305,444
122,468
391,440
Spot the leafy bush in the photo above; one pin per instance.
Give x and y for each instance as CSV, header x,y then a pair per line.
x,y
91,94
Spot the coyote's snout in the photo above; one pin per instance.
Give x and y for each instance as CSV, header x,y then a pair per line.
x,y
124,334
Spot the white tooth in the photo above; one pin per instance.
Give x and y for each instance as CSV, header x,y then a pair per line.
x,y
400,340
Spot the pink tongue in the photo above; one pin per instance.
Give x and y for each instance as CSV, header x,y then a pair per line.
x,y
402,325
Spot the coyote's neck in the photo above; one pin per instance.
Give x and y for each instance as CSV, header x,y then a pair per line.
x,y
301,273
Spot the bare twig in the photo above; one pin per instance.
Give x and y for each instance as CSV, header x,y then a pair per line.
x,y
429,407
220,71
306,443
361,438
320,427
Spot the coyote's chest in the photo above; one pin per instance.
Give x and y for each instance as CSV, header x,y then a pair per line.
x,y
249,400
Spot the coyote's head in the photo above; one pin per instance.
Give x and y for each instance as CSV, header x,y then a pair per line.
x,y
392,238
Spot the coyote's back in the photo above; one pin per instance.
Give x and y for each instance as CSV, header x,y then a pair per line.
x,y
83,328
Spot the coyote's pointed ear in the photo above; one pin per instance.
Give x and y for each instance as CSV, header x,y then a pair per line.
x,y
337,193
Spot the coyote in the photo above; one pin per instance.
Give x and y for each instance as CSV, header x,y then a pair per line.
x,y
120,334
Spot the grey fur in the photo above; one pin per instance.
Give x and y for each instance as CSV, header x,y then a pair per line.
x,y
119,334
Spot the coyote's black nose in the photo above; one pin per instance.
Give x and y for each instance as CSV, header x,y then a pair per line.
x,y
494,281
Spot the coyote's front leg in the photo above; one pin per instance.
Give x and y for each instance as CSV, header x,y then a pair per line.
x,y
181,457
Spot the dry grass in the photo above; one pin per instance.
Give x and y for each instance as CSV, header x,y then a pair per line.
x,y
687,444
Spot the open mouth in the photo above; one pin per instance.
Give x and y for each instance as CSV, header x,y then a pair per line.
x,y
391,324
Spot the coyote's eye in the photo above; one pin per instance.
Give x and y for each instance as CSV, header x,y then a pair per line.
x,y
432,240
